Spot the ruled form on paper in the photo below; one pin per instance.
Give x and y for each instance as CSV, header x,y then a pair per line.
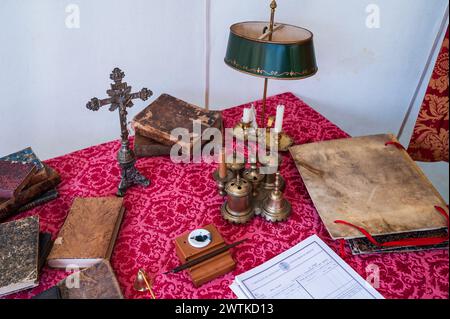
x,y
309,270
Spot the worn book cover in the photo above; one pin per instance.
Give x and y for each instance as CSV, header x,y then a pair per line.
x,y
146,147
89,232
14,177
9,207
369,184
167,113
27,156
19,245
95,282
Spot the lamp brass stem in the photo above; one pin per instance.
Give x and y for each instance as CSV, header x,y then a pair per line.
x,y
273,6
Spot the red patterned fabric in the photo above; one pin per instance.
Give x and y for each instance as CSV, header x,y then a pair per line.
x,y
183,197
429,142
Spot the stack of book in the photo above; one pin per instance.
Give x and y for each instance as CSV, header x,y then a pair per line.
x,y
154,125
85,241
25,182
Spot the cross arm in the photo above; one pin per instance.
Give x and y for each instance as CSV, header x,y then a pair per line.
x,y
144,94
95,104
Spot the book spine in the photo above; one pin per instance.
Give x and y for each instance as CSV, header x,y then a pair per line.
x,y
39,201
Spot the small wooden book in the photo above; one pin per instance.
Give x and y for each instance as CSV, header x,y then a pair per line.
x,y
89,232
19,245
167,113
14,177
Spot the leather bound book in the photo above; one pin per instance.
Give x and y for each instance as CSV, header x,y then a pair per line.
x,y
89,232
95,282
19,244
27,156
146,147
167,113
14,177
30,193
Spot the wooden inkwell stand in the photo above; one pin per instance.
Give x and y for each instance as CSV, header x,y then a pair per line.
x,y
210,268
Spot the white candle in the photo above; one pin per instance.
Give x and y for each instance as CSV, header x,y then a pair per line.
x,y
279,119
246,116
253,117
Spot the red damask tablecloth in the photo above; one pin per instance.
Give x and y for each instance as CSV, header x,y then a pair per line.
x,y
184,197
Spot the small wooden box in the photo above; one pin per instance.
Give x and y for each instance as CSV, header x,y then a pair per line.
x,y
211,268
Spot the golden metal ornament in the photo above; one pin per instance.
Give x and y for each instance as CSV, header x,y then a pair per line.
x,y
275,207
238,207
143,283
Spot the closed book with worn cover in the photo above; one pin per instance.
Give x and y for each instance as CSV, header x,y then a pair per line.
x,y
369,185
89,232
167,113
146,147
19,245
14,177
95,282
9,207
27,156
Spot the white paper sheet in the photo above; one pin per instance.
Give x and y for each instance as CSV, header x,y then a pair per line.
x,y
309,270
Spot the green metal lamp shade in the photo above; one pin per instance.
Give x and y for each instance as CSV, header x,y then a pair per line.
x,y
289,55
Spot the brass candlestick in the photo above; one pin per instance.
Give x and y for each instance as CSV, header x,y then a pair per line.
x,y
275,207
242,131
254,177
269,181
234,165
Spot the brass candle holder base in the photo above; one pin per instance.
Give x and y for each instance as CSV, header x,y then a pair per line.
x,y
275,210
235,217
275,207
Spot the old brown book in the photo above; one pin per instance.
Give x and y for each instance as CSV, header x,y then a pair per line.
x,y
167,113
95,282
89,232
19,244
369,184
11,206
146,147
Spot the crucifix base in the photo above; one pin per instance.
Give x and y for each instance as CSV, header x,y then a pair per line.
x,y
130,176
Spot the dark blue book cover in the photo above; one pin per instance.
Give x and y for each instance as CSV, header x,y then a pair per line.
x,y
25,156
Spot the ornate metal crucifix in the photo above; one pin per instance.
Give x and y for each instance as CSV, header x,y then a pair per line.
x,y
120,97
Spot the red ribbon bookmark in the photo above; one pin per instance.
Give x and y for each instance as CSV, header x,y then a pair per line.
x,y
404,242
